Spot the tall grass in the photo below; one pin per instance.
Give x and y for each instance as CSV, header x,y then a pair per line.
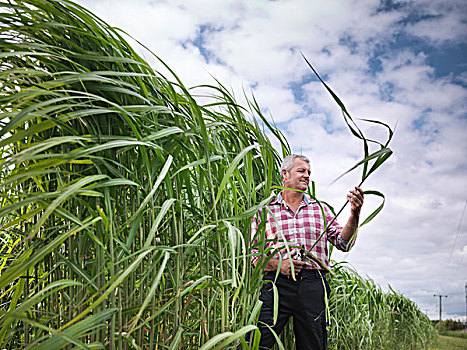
x,y
364,317
125,202
122,197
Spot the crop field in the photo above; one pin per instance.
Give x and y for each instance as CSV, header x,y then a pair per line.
x,y
126,202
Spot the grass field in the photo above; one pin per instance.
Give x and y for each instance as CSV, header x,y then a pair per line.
x,y
456,334
450,343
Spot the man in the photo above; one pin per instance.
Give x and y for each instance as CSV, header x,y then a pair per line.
x,y
296,230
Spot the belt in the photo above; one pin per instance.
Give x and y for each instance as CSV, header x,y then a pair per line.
x,y
303,274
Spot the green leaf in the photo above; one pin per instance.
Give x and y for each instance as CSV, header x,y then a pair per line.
x,y
66,192
375,212
24,263
232,167
232,337
78,330
152,291
374,155
161,177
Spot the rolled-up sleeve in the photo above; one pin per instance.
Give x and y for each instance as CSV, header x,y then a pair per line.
x,y
334,232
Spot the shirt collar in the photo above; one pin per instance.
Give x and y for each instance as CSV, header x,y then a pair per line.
x,y
278,199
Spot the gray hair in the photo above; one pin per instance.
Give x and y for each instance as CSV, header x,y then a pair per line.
x,y
287,163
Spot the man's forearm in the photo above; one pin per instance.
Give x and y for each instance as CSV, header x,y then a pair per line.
x,y
355,197
350,227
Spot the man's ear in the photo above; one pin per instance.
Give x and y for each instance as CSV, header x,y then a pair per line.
x,y
284,173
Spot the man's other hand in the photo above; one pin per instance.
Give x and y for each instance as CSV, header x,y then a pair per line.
x,y
286,267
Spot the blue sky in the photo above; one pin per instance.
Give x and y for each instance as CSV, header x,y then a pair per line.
x,y
400,62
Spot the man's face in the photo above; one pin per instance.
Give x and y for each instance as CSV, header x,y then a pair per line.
x,y
298,177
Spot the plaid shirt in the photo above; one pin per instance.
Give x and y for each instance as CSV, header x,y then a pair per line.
x,y
300,229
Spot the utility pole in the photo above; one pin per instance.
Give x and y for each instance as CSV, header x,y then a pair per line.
x,y
466,305
440,307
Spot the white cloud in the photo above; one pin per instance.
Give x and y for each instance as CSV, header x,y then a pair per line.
x,y
443,21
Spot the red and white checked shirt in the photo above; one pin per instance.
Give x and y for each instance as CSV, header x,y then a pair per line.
x,y
297,229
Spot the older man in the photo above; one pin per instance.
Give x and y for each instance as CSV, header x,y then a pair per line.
x,y
297,232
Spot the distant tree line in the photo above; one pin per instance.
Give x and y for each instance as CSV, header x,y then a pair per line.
x,y
449,325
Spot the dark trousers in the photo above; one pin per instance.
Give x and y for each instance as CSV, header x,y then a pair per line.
x,y
304,301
